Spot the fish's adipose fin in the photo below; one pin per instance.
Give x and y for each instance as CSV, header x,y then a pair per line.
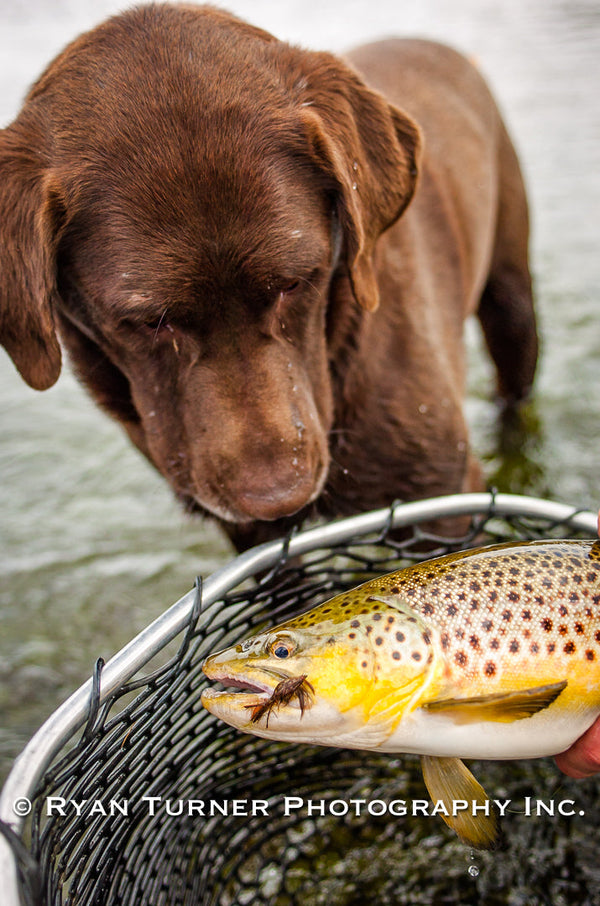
x,y
448,780
503,706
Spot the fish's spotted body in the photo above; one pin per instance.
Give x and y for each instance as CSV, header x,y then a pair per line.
x,y
493,653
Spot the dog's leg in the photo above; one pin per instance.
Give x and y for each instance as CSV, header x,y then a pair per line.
x,y
506,309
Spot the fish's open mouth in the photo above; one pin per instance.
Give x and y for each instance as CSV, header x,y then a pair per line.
x,y
261,685
257,697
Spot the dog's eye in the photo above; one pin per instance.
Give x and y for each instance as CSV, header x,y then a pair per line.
x,y
157,324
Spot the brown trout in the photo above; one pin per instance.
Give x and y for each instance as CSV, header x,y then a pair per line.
x,y
492,653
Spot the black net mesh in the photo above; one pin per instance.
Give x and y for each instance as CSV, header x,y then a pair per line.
x,y
189,786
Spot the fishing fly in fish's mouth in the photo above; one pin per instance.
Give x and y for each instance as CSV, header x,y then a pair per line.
x,y
294,687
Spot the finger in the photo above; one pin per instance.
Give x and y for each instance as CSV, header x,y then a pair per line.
x,y
583,758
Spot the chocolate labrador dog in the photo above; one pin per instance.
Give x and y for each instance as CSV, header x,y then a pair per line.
x,y
260,258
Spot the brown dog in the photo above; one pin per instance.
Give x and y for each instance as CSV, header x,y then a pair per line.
x,y
211,221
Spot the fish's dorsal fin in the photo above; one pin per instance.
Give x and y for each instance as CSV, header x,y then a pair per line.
x,y
448,780
499,706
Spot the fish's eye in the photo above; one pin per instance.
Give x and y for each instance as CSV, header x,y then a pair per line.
x,y
282,648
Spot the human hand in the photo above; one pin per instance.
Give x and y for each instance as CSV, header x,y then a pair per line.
x,y
582,759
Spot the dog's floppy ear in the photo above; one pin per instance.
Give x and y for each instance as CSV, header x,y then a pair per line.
x,y
371,151
28,212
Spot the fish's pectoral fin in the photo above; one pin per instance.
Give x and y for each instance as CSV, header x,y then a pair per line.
x,y
448,780
402,606
502,706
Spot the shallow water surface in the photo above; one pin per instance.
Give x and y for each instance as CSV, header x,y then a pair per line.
x,y
91,545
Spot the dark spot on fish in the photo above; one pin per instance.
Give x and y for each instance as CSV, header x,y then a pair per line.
x,y
474,641
551,647
364,664
578,579
451,610
573,597
428,609
490,668
534,648
578,628
416,656
355,624
445,640
377,616
569,648
513,647
487,625
395,590
507,615
514,596
459,633
475,604
379,640
461,658
514,570
475,586
494,644
590,655
526,614
351,635
563,610
563,629
546,624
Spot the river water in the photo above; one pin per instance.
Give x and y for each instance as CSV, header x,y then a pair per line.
x,y
92,547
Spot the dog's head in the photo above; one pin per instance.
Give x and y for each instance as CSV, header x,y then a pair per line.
x,y
180,198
